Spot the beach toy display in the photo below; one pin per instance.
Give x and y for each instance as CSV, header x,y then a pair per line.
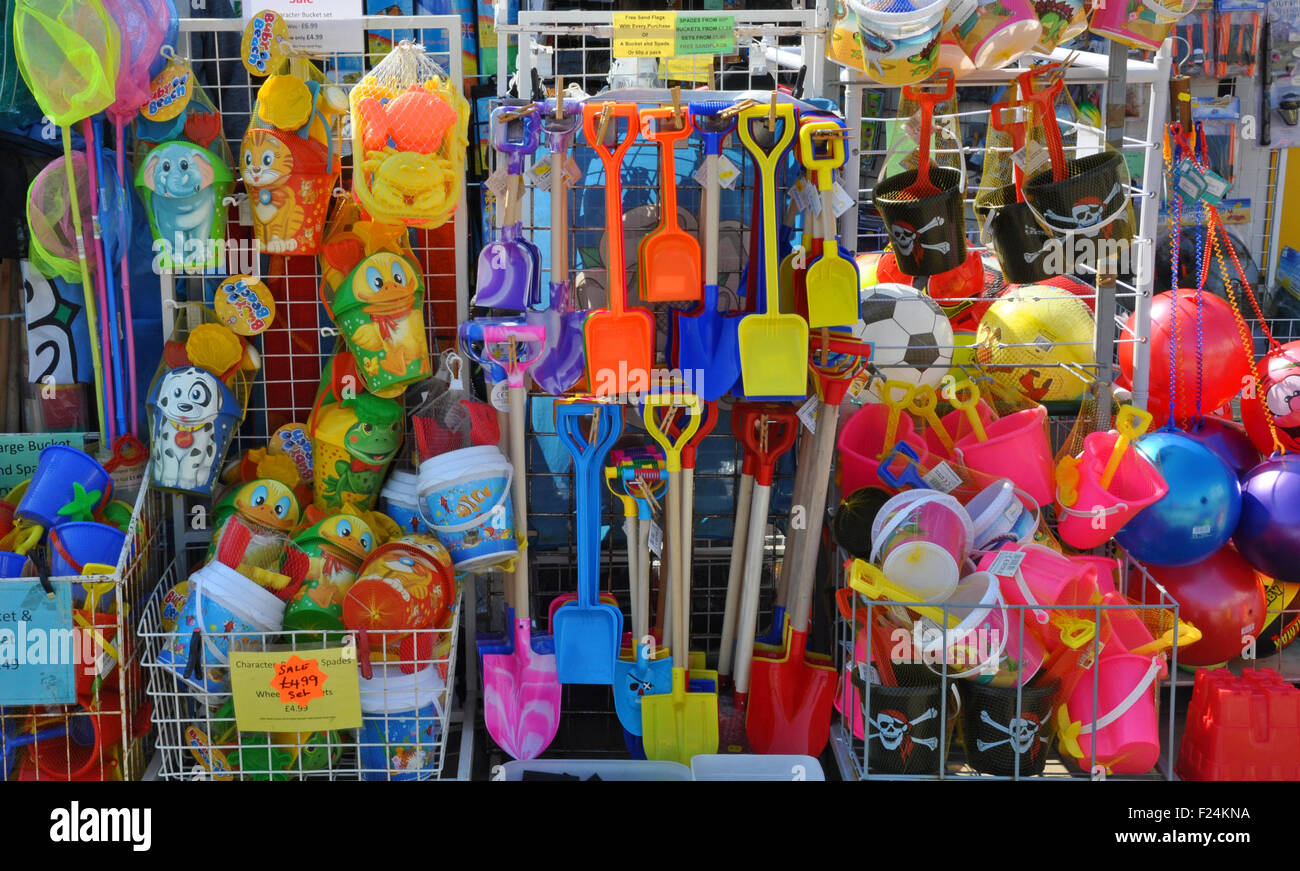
x,y
997,32
404,590
409,125
399,737
183,186
289,159
895,47
324,560
509,268
379,308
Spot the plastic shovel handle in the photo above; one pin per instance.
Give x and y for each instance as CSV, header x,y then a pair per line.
x,y
531,335
872,583
612,160
1131,422
910,476
782,425
969,405
813,158
672,446
897,396
924,402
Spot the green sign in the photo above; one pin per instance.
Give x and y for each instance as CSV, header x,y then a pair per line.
x,y
19,454
706,34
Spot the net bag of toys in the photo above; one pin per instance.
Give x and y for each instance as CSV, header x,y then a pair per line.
x,y
409,125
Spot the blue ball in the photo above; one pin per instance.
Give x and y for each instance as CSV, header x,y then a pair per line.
x,y
1199,513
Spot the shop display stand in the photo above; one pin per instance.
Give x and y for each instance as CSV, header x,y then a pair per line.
x,y
302,337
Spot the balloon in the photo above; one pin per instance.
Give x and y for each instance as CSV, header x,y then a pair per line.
x,y
1221,595
1198,514
1228,440
1277,383
1268,533
1226,364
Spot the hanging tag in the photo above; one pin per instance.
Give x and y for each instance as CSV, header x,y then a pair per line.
x,y
841,202
572,172
656,539
728,173
1201,184
263,48
942,478
808,414
912,126
1007,563
500,396
244,304
1037,158
496,183
539,175
960,10
244,210
169,92
757,58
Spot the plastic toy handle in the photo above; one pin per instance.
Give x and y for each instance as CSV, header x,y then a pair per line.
x,y
924,402
1067,481
1075,631
1045,101
713,133
969,405
672,446
871,582
911,474
782,427
811,159
897,396
1131,422
1186,632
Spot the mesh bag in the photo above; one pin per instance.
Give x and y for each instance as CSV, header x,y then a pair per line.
x,y
68,54
409,125
200,124
1035,344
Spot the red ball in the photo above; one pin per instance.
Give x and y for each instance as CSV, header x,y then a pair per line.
x,y
1226,363
1079,288
1221,595
1277,382
964,282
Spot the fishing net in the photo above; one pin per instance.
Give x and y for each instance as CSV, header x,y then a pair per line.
x,y
53,243
143,26
68,54
409,124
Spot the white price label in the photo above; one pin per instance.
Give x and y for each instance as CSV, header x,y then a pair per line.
x,y
1007,563
841,202
804,194
656,539
571,171
245,212
500,396
728,172
539,175
496,182
942,478
1037,158
960,10
808,414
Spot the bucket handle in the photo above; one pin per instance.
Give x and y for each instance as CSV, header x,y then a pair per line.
x,y
993,658
901,515
1070,731
422,506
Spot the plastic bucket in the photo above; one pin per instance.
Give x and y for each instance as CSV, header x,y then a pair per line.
x,y
999,734
176,465
1017,448
1121,724
905,728
465,498
75,545
1062,21
920,539
976,644
231,612
401,716
898,18
1089,201
403,340
400,500
1043,578
12,565
957,425
1107,570
996,512
928,234
1022,656
1019,241
1098,513
861,441
1134,23
58,468
752,766
999,31
293,225
87,751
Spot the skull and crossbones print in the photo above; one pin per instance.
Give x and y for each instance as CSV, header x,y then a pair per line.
x,y
894,731
906,238
1086,212
1022,734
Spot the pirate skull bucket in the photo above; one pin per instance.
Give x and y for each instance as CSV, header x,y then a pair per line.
x,y
1090,201
928,234
998,733
904,727
1019,241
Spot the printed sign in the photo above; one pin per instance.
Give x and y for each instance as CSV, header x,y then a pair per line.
x,y
317,26
39,648
296,691
19,454
645,34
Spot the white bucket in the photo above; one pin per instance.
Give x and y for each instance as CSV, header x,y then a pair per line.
x,y
997,512
401,500
981,631
920,539
899,25
401,716
465,497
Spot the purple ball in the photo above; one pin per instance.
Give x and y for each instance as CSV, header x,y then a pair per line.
x,y
1268,534
1229,441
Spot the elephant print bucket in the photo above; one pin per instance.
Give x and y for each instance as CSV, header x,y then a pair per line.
x,y
465,498
183,186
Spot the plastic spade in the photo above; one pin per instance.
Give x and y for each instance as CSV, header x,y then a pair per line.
x,y
671,257
561,366
619,341
773,346
706,341
588,635
832,280
508,268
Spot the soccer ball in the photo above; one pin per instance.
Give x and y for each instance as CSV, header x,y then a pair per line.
x,y
910,336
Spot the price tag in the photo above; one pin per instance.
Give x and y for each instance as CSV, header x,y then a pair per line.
x,y
645,34
572,172
706,34
1007,563
841,202
728,172
499,396
942,478
496,182
35,668
805,195
656,539
539,175
319,26
808,414
1037,158
1201,184
245,210
295,691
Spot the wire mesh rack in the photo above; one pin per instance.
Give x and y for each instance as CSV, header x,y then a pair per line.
x,y
408,707
106,734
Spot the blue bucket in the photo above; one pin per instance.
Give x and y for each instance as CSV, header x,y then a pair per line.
x,y
465,498
75,545
58,468
12,564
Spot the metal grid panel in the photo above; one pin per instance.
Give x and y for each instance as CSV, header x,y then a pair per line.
x,y
190,726
76,752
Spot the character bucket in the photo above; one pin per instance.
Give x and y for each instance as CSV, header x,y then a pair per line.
x,y
465,498
920,539
51,487
1004,738
1095,513
1017,448
862,441
193,417
1019,241
289,206
183,186
928,234
999,31
1062,20
73,546
1140,24
380,311
1119,723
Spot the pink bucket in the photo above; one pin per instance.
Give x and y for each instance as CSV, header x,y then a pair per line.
x,y
920,539
1122,726
1017,448
957,425
999,31
861,442
1096,513
1107,571
1044,578
1023,655
1140,24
